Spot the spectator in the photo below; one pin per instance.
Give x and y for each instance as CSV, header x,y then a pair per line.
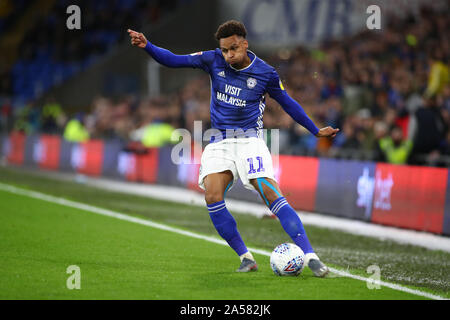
x,y
348,138
157,134
439,74
75,130
427,130
53,117
395,149
381,131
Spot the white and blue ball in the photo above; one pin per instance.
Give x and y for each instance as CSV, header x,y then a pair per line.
x,y
287,259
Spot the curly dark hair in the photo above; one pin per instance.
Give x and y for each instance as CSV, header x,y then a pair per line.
x,y
230,28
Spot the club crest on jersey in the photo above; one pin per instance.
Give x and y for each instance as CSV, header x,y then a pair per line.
x,y
251,83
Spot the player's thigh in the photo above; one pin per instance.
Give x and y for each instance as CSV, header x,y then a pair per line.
x,y
267,188
254,161
215,185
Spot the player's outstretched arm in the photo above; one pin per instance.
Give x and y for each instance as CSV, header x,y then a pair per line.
x,y
294,109
162,56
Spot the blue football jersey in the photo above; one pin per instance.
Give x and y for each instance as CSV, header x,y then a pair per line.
x,y
237,96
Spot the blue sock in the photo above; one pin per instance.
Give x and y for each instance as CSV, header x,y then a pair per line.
x,y
291,223
226,226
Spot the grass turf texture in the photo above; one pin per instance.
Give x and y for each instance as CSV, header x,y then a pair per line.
x,y
123,260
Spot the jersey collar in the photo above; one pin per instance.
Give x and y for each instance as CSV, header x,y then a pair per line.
x,y
251,63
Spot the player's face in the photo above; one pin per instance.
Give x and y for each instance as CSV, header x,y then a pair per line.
x,y
234,50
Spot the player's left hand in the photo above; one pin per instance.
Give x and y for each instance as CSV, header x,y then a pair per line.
x,y
327,132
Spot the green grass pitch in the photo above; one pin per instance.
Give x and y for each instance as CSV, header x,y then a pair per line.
x,y
124,260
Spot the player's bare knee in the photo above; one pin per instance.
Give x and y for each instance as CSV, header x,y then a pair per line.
x,y
213,197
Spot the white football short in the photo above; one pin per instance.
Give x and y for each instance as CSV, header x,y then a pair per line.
x,y
246,158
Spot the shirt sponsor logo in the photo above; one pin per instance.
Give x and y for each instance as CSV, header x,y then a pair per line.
x,y
227,96
231,100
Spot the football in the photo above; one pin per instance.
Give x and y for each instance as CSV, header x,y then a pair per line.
x,y
287,259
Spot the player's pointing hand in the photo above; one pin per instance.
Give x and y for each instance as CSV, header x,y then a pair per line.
x,y
137,39
327,132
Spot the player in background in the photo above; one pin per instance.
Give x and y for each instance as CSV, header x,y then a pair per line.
x,y
239,82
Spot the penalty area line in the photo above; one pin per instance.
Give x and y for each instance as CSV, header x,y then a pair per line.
x,y
149,223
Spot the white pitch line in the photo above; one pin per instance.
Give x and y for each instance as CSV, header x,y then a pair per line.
x,y
121,216
190,197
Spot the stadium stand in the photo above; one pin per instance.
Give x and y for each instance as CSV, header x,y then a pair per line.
x,y
389,92
47,57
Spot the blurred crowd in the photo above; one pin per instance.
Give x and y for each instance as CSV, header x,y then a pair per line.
x,y
388,91
48,53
